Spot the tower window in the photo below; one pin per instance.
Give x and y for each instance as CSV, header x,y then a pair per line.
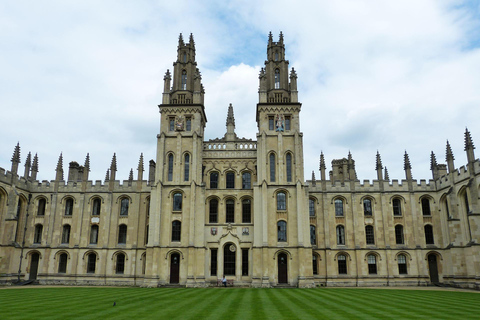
x,y
246,180
277,79
170,167
213,217
271,122
184,80
230,180
214,180
272,167
176,230
124,207
340,235
94,234
276,56
38,234
97,205
282,231
246,211
66,234
69,207
426,207
338,207
122,234
41,207
230,211
367,207
171,124
313,236
399,234
187,167
188,126
184,57
397,208
177,202
369,235
287,123
429,234
281,201
289,167
311,207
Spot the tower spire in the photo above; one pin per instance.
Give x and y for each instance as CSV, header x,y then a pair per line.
x,y
113,167
379,166
434,166
28,164
86,168
34,168
16,159
180,40
387,178
469,147
449,158
59,169
230,135
140,168
407,166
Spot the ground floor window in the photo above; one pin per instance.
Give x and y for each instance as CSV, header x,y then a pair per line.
x,y
229,259
372,264
315,264
213,262
402,264
342,264
244,262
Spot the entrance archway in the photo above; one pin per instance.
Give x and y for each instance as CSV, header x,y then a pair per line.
x,y
174,268
282,268
433,267
34,257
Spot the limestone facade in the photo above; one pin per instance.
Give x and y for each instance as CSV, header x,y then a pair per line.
x,y
239,207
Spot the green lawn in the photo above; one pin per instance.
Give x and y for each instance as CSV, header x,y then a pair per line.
x,y
233,303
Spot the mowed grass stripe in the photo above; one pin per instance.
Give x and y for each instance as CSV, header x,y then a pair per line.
x,y
307,306
211,304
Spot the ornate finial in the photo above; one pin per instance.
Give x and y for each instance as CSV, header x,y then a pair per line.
x,y
180,40
433,161
87,163
168,75
322,161
130,176
230,117
378,165
262,73
313,178
60,163
468,140
386,174
293,74
281,37
28,162
449,153
35,163
16,154
107,176
406,162
270,38
191,42
140,163
113,165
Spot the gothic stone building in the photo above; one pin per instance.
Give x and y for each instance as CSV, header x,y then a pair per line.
x,y
240,208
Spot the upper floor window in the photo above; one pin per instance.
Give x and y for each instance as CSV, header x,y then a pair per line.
x,y
311,207
177,202
94,234
271,122
282,231
176,230
187,167
184,80
214,180
367,207
19,207
184,57
41,207
277,79
124,204
37,237
338,207
369,235
246,180
97,205
69,207
272,167
372,264
429,234
213,216
397,208
188,124
426,207
289,167
399,234
171,124
170,167
446,208
246,211
66,234
122,234
281,201
313,235
465,199
341,235
230,177
287,123
276,56
230,211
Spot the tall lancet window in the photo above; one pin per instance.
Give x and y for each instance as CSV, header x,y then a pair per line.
x,y
277,79
184,80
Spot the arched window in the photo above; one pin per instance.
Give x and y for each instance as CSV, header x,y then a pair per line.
x,y
402,264
289,167
229,259
230,177
91,262
311,207
213,216
465,200
184,80
314,264
69,207
120,265
41,207
176,230
372,264
246,211
246,180
170,167
397,208
122,234
338,207
184,57
369,235
276,56
96,207
62,263
342,264
214,180
313,236
272,167
446,208
282,231
66,234
94,234
177,201
230,211
277,79
146,234
399,234
19,207
124,204
429,234
340,235
186,173
367,207
281,201
37,238
426,207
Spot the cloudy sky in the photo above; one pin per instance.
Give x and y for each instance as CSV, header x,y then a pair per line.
x,y
84,77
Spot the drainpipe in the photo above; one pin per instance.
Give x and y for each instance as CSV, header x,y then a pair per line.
x,y
24,236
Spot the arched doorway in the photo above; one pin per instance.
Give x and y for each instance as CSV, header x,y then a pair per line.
x,y
432,267
175,268
282,268
229,257
34,257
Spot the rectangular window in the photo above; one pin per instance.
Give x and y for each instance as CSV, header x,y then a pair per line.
x,y
271,123
188,126
246,211
171,124
213,262
230,180
246,180
214,180
230,211
244,262
287,123
397,209
369,235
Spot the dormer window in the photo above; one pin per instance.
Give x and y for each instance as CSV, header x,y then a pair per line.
x,y
184,80
277,79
